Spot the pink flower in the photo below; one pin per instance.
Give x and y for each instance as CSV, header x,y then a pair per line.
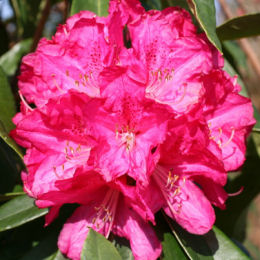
x,y
69,61
161,114
229,117
106,207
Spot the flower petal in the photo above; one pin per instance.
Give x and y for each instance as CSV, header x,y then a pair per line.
x,y
196,214
143,241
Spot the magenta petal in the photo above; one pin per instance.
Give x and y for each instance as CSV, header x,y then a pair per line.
x,y
143,241
74,233
195,213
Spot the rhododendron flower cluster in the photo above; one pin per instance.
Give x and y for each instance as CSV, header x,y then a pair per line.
x,y
126,132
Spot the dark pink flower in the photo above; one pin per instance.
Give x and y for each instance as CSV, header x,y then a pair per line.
x,y
161,114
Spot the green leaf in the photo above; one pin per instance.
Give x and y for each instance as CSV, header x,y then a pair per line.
x,y
204,11
100,7
235,55
125,252
226,248
11,59
240,27
18,212
195,246
7,108
97,247
171,248
257,118
213,245
122,245
7,111
9,196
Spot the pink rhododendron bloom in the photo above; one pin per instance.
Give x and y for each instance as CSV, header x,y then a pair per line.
x,y
126,132
106,207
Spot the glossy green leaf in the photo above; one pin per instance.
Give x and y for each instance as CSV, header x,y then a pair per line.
x,y
125,252
11,59
226,248
9,196
97,247
194,246
7,111
240,27
100,7
235,55
171,248
213,245
19,211
7,108
204,11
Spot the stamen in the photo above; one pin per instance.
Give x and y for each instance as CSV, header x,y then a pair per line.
x,y
55,172
106,211
24,102
55,83
183,95
168,186
65,30
230,138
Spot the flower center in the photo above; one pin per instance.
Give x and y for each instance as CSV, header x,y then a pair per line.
x,y
126,136
219,137
105,213
170,186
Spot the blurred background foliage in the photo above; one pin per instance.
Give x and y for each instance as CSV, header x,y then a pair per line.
x,y
22,236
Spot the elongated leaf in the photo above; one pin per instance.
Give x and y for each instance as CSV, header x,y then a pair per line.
x,y
171,248
204,11
10,60
9,196
18,212
7,108
7,111
195,246
97,247
213,245
235,55
240,27
226,248
100,7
